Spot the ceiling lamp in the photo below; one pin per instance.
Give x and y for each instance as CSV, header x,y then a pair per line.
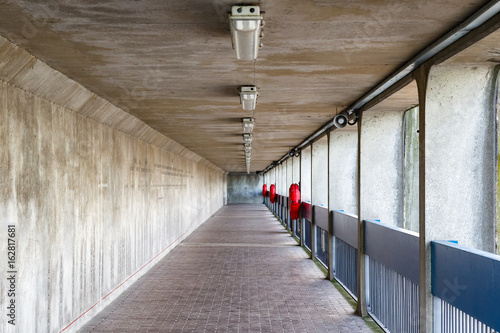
x,y
247,138
248,97
248,124
246,25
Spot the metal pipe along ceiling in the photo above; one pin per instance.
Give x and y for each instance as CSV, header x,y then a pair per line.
x,y
479,18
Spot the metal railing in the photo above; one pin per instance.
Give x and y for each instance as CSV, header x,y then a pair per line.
x,y
297,228
465,282
322,245
307,234
306,213
392,276
345,248
346,266
452,320
393,299
465,285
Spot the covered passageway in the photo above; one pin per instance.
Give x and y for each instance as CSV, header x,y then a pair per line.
x,y
149,151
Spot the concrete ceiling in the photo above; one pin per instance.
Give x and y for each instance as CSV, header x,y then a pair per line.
x,y
171,63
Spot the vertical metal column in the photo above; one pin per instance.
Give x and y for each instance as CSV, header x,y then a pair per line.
x,y
330,220
361,305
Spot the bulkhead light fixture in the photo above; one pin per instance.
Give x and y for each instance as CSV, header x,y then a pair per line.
x,y
248,97
340,120
246,25
248,124
247,138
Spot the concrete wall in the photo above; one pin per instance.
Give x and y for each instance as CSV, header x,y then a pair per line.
x,y
460,155
411,169
382,164
289,175
91,205
244,188
344,170
319,167
296,170
305,174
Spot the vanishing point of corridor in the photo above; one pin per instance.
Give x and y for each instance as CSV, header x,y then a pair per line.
x,y
239,272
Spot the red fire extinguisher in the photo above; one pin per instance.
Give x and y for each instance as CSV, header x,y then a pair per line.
x,y
272,194
264,190
294,195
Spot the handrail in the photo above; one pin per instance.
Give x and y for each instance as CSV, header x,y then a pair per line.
x,y
345,227
396,248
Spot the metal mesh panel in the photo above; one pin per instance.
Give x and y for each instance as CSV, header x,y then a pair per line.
x,y
454,320
346,266
322,245
307,234
392,299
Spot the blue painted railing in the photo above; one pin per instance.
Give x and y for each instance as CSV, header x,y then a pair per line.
x,y
306,213
465,281
320,216
466,287
392,279
345,232
297,231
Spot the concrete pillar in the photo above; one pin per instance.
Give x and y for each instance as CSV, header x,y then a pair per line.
x,y
381,176
319,182
343,170
457,164
305,184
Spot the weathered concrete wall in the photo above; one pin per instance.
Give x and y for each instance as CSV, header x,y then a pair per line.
x,y
93,208
289,175
244,188
344,170
296,170
411,169
319,167
460,156
283,170
305,174
382,190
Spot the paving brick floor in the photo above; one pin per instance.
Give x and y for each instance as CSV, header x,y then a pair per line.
x,y
239,272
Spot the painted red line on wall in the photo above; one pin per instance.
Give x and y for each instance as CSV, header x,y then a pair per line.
x,y
131,276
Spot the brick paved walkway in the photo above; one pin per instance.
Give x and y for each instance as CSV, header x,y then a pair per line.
x,y
239,272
